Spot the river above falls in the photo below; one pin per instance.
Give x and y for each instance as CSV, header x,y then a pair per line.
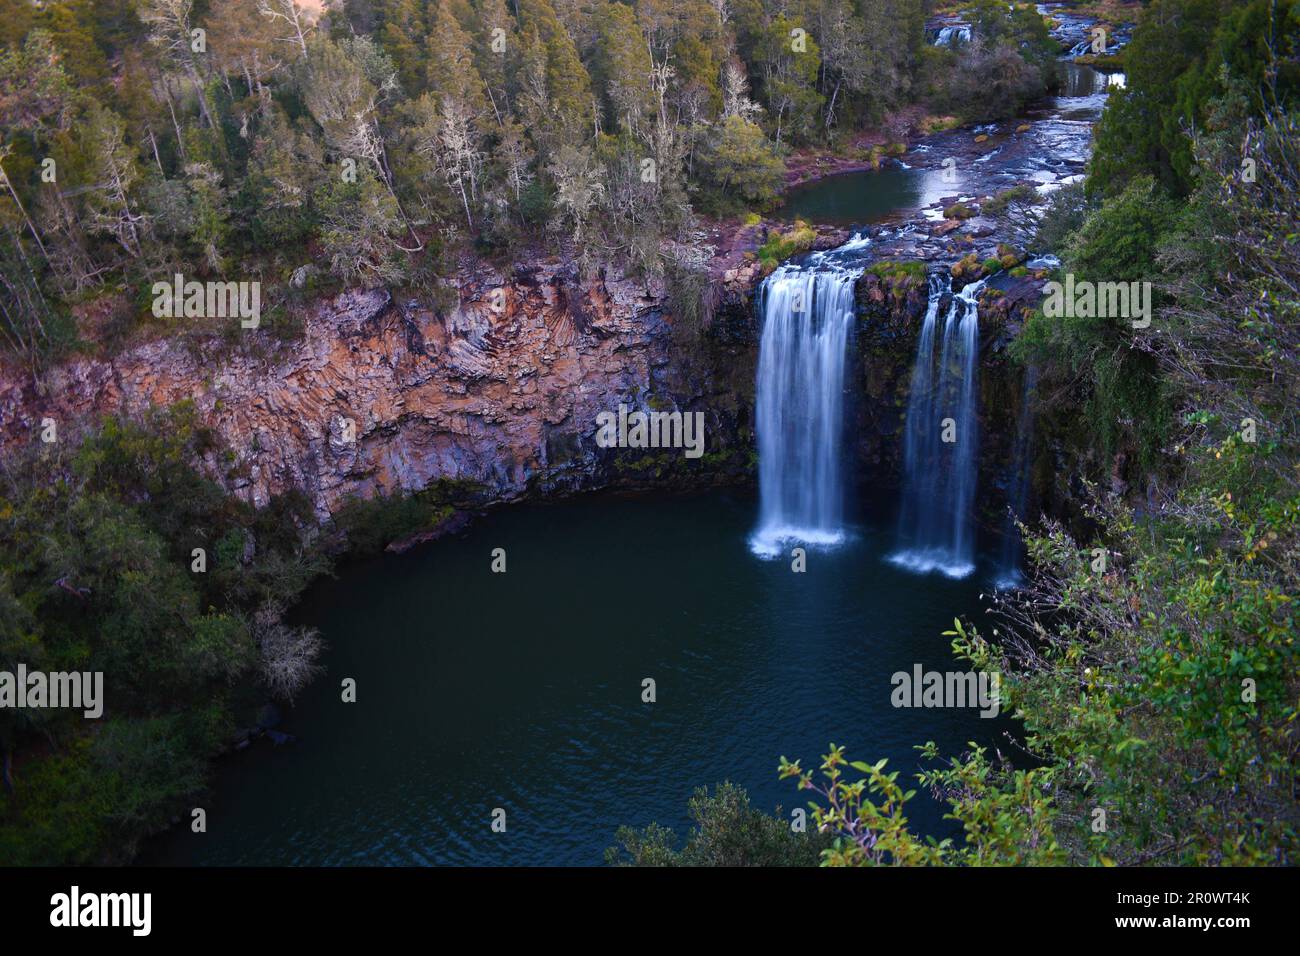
x,y
1047,147
523,690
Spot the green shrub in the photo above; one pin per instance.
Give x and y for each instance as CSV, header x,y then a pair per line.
x,y
780,246
368,525
1022,195
893,269
727,832
96,540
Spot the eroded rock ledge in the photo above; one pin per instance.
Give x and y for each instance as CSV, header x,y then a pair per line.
x,y
386,397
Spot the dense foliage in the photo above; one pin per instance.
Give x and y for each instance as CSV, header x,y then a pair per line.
x,y
370,141
98,572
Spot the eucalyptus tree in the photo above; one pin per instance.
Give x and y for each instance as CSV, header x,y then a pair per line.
x,y
172,31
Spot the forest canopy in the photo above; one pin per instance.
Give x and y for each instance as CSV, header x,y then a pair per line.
x,y
370,141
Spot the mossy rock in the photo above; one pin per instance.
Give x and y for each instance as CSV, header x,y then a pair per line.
x,y
1009,256
968,267
782,245
959,210
1105,62
893,269
939,124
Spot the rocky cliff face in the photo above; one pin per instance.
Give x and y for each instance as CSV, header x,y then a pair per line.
x,y
386,397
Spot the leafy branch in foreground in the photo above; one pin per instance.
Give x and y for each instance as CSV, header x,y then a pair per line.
x,y
1006,814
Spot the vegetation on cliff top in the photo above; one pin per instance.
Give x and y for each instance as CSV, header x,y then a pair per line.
x,y
244,140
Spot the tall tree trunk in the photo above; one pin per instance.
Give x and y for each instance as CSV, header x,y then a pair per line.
x,y
830,109
27,219
171,109
156,158
192,71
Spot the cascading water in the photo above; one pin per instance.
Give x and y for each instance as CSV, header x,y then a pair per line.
x,y
1009,571
955,35
807,319
936,530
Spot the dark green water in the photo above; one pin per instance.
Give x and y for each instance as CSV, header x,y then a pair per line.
x,y
857,198
523,690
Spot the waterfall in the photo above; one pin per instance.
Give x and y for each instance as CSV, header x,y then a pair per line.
x,y
936,530
807,318
958,34
1009,571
